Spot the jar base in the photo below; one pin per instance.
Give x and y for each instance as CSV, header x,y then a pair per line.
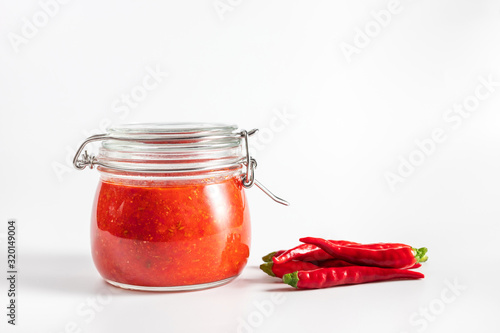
x,y
173,288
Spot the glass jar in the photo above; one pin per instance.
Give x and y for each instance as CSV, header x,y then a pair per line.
x,y
170,211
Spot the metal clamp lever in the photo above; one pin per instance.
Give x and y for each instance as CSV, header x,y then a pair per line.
x,y
251,164
270,194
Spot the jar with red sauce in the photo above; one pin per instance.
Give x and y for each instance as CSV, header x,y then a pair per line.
x,y
170,211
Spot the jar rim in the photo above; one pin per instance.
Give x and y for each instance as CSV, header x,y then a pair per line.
x,y
177,129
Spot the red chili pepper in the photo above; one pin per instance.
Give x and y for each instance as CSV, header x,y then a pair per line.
x,y
279,270
397,257
337,276
307,252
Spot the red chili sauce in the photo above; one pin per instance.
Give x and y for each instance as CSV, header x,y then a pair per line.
x,y
163,236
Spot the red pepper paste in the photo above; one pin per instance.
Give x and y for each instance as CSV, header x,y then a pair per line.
x,y
166,236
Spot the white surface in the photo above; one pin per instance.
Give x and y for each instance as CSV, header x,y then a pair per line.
x,y
348,125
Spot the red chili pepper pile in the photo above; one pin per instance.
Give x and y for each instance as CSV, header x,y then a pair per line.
x,y
321,263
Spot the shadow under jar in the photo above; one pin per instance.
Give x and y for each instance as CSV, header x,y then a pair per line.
x,y
170,211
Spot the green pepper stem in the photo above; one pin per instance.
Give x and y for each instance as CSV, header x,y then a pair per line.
x,y
291,279
268,268
268,257
420,254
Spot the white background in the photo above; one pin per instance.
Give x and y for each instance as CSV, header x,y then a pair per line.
x,y
333,126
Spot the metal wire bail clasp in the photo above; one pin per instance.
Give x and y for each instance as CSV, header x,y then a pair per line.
x,y
250,163
81,162
249,177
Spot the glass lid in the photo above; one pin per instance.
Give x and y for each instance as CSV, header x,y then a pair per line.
x,y
172,130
